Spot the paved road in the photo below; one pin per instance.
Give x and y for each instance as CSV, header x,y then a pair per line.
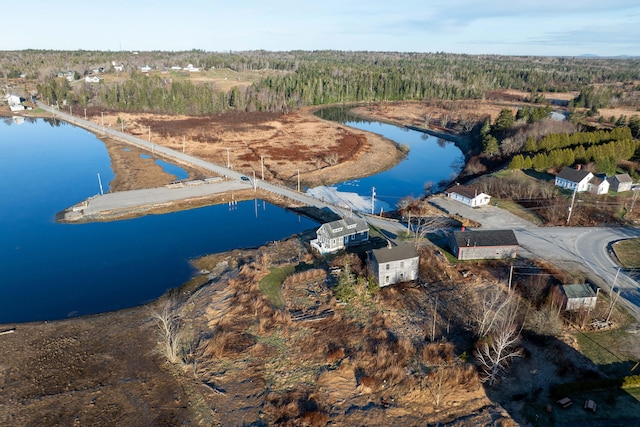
x,y
190,160
151,197
586,248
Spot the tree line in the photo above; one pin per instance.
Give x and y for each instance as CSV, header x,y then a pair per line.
x,y
587,147
319,77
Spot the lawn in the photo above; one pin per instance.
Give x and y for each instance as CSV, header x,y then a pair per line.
x,y
628,252
272,283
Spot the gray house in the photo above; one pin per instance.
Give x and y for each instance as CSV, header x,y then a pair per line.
x,y
620,182
394,264
336,235
484,244
579,296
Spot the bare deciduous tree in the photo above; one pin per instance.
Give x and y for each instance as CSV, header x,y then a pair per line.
x,y
497,350
171,331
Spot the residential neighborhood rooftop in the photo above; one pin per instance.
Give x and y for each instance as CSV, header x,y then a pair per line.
x,y
395,253
485,238
572,174
463,190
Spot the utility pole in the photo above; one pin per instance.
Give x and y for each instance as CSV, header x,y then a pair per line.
x,y
510,277
100,184
573,199
635,196
613,298
183,138
255,187
298,180
373,199
102,119
85,114
262,166
149,133
228,162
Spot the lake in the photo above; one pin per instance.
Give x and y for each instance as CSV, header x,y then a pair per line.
x,y
52,271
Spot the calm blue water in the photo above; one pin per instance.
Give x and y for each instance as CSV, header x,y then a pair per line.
x,y
169,168
51,271
430,160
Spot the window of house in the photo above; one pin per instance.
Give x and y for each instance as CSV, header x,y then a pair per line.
x,y
388,266
401,264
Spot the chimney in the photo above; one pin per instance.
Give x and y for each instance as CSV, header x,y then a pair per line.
x,y
578,167
462,229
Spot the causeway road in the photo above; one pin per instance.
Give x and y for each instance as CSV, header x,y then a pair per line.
x,y
243,179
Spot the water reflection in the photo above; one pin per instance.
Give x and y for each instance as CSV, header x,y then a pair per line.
x,y
52,270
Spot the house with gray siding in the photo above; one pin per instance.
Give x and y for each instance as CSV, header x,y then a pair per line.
x,y
620,182
394,264
336,235
484,244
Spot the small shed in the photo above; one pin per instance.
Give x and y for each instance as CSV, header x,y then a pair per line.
x,y
394,264
484,244
580,296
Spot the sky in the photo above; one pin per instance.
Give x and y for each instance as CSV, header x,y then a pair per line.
x,y
514,27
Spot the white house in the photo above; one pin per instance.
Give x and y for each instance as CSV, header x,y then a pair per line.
x,y
191,68
336,235
93,79
574,179
467,195
117,68
394,264
145,68
599,184
15,102
620,182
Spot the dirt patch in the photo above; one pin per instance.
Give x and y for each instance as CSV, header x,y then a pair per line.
x,y
99,370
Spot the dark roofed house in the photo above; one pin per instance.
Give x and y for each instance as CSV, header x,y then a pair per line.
x,y
394,264
468,195
574,179
484,244
620,182
336,235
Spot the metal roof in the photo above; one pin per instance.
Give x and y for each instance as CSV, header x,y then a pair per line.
x,y
579,290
